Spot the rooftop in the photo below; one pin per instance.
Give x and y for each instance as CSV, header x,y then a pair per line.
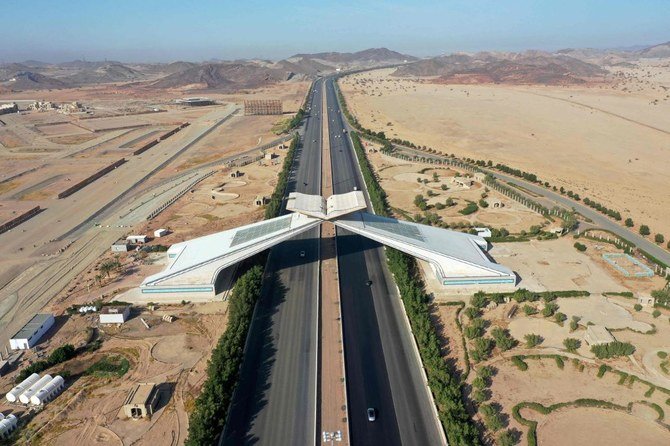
x,y
32,326
141,394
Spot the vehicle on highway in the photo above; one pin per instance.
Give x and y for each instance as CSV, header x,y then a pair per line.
x,y
368,282
302,254
372,414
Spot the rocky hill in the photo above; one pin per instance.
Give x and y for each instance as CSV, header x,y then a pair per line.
x,y
29,80
366,58
531,67
661,50
224,77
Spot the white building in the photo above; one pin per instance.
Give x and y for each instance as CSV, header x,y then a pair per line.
x,y
31,333
194,265
483,232
136,239
114,314
160,233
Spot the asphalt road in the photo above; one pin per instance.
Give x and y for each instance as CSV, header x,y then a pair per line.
x,y
599,220
381,368
274,403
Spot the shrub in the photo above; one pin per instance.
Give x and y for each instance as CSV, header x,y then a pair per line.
x,y
656,313
59,355
520,363
637,307
475,329
115,365
529,310
571,344
574,323
644,230
549,309
479,300
658,238
533,340
482,349
479,383
506,438
662,354
479,396
470,208
580,247
503,339
472,312
560,317
492,418
613,349
485,371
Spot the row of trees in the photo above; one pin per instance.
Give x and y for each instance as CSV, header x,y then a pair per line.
x,y
59,355
445,386
603,209
211,408
273,208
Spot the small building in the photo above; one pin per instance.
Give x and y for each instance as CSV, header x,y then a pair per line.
x,y
480,176
31,333
261,200
646,300
195,101
495,203
269,156
235,174
597,335
160,233
120,245
136,239
463,182
141,401
114,314
558,230
483,232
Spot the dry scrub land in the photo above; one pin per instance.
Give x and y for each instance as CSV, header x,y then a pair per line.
x,y
609,142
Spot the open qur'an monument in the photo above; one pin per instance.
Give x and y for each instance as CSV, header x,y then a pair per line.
x,y
194,265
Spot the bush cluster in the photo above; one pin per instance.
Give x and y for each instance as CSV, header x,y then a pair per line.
x,y
273,208
613,349
59,355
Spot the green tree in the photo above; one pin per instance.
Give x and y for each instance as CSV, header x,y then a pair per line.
x,y
503,339
629,222
533,340
506,438
482,349
613,349
560,317
492,418
479,300
450,202
656,313
574,323
529,310
472,312
659,238
571,344
475,329
549,309
644,230
637,307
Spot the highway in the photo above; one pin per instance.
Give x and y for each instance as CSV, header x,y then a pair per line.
x,y
382,370
274,403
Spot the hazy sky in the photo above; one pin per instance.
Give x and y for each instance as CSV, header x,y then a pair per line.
x,y
168,30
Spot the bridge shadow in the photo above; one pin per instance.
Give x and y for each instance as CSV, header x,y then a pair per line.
x,y
255,374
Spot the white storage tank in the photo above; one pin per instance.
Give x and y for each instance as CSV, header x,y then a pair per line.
x,y
8,425
48,392
25,396
13,395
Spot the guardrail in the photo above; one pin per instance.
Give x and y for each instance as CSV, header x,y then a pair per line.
x,y
20,219
86,181
180,194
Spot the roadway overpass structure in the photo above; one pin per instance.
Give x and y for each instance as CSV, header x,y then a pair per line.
x,y
194,265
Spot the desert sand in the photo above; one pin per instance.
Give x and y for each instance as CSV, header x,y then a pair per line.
x,y
608,142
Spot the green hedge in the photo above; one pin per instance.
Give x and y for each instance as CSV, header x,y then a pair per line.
x,y
273,208
446,388
211,408
59,355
